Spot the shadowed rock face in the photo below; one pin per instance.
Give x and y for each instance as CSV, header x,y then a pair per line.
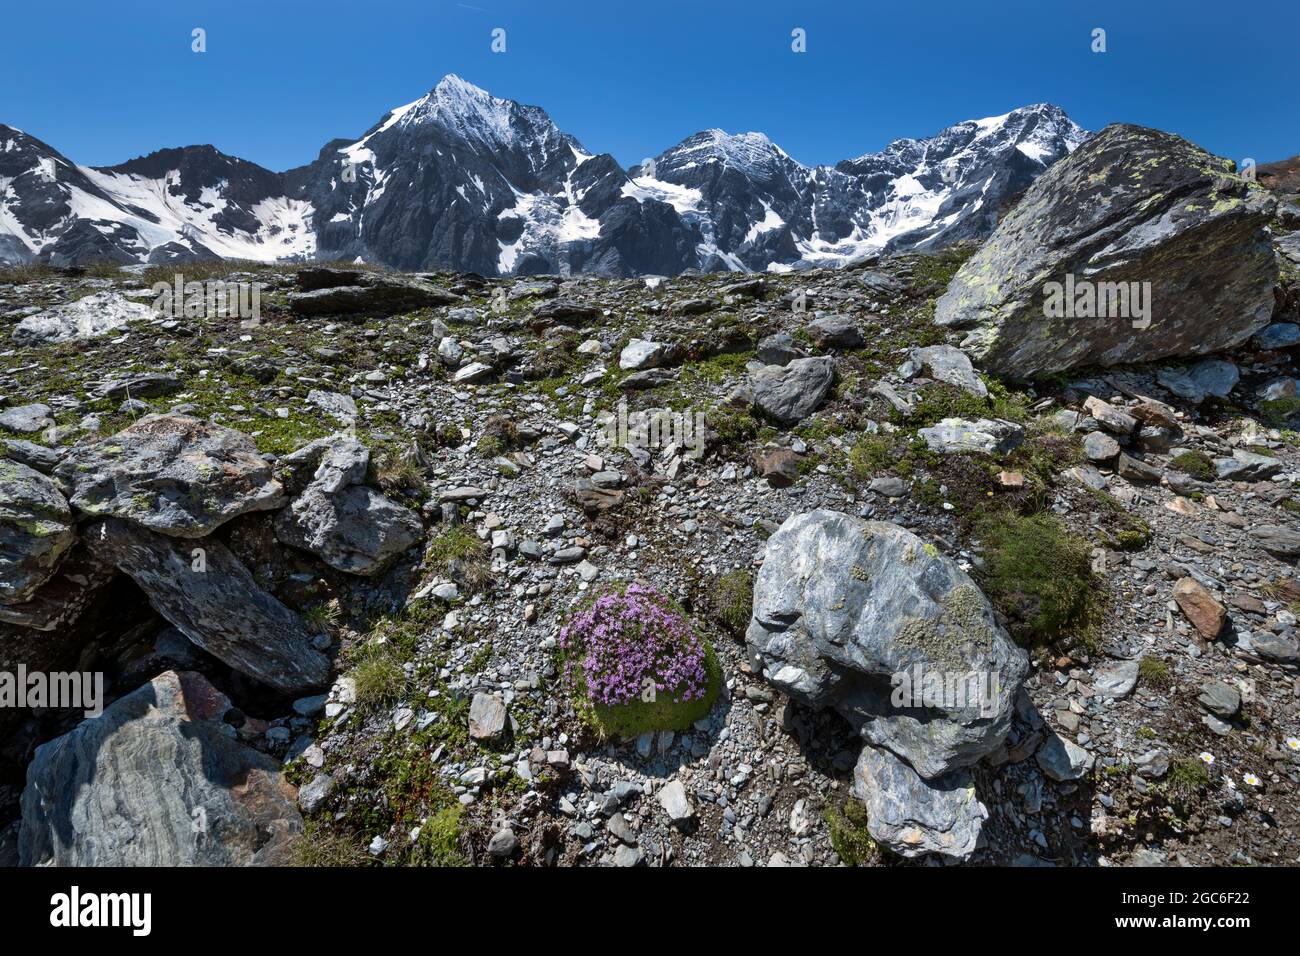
x,y
841,605
220,608
35,531
173,474
156,780
1132,205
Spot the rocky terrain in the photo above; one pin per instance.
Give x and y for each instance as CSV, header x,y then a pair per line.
x,y
328,558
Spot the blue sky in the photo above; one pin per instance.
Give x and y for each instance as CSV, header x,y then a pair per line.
x,y
106,80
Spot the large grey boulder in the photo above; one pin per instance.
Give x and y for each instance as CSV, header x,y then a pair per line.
x,y
173,474
845,609
348,525
1131,205
157,780
792,392
328,291
211,598
36,529
913,816
86,318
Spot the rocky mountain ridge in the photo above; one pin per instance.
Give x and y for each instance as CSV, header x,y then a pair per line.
x,y
460,179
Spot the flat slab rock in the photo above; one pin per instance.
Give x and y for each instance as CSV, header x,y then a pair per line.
x,y
913,816
841,605
90,317
173,474
219,608
156,780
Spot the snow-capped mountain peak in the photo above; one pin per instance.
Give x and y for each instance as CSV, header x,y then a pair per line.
x,y
462,179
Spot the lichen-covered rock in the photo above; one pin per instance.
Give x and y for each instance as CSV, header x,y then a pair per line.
x,y
156,780
36,529
913,816
845,608
173,474
204,590
1131,205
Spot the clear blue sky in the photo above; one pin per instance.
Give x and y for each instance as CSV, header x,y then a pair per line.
x,y
106,80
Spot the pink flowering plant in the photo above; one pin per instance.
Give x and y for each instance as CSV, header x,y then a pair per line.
x,y
634,657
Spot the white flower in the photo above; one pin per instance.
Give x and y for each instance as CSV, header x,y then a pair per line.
x,y
1293,743
1207,757
1251,780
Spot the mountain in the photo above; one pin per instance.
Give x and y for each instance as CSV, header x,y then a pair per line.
x,y
465,180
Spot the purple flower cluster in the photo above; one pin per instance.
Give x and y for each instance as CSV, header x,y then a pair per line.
x,y
623,639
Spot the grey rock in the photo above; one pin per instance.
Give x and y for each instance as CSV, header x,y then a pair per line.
x,y
835,331
34,456
209,596
779,349
1222,700
641,354
1099,446
913,816
953,436
89,317
170,473
315,793
1129,205
1116,680
487,716
840,604
945,363
1209,378
26,419
344,291
156,780
36,531
1247,466
1278,540
675,802
336,405
348,525
1278,335
503,844
1063,760
791,393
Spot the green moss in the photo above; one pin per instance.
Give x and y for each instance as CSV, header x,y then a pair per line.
x,y
1040,575
663,713
459,554
439,841
1280,412
1193,463
318,846
380,678
849,836
1188,777
731,428
732,600
1153,672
